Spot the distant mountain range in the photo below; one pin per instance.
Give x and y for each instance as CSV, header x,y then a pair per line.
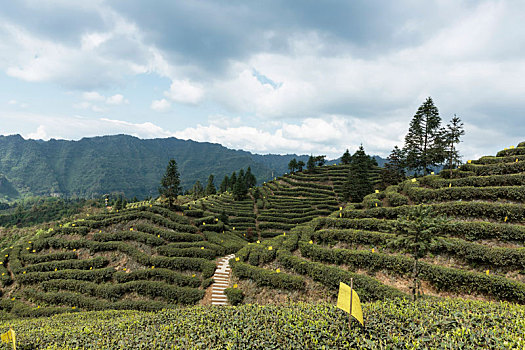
x,y
124,164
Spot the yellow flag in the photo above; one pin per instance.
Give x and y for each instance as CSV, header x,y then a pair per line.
x,y
375,204
450,184
432,173
516,160
343,302
9,336
340,215
414,180
270,248
469,161
377,191
506,218
487,272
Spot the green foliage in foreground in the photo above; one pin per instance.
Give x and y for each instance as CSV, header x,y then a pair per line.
x,y
392,324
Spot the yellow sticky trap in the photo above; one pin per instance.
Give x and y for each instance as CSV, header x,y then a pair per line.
x,y
487,272
237,259
432,173
6,255
450,184
158,236
377,191
24,272
258,241
34,251
216,219
284,233
506,218
373,250
340,215
124,269
511,147
233,228
414,180
516,160
202,247
270,248
311,242
153,267
203,224
235,285
469,161
193,275
56,269
278,270
74,250
375,204
131,228
340,208
91,267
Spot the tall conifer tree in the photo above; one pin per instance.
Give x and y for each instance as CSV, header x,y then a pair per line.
x,y
424,146
170,183
454,131
210,187
357,184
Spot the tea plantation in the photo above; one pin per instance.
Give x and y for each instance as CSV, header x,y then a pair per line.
x,y
133,278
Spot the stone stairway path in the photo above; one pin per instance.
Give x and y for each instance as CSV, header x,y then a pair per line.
x,y
221,280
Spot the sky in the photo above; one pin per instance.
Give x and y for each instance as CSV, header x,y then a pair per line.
x,y
290,76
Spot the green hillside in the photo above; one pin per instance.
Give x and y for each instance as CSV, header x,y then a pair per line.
x,y
144,258
120,163
282,204
478,254
294,240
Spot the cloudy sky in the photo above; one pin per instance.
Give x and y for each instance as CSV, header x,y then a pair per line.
x,y
267,76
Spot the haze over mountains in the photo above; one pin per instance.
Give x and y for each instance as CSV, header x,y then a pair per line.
x,y
120,163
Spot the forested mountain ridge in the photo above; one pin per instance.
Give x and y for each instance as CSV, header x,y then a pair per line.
x,y
119,163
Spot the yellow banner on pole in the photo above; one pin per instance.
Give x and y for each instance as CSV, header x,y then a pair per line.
x,y
9,336
346,296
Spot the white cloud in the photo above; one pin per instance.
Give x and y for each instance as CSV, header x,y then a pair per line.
x,y
184,91
117,99
93,96
12,102
160,105
40,134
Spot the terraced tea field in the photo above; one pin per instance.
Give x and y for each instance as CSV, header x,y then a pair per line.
x,y
478,254
144,258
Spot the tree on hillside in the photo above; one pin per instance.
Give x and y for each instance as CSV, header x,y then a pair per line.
x,y
320,160
292,165
394,169
453,134
197,191
300,165
170,183
239,189
210,187
417,232
424,146
310,165
232,182
357,184
346,158
225,184
249,178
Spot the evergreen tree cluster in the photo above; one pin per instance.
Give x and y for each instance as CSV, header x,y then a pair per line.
x,y
427,145
358,184
238,184
198,191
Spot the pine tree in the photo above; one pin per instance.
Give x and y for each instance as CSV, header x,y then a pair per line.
x,y
249,178
210,187
239,189
300,165
357,184
424,146
320,160
346,158
197,191
417,232
225,184
170,183
453,134
310,165
232,182
292,165
394,169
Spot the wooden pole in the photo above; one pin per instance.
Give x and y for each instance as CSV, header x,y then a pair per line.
x,y
351,295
